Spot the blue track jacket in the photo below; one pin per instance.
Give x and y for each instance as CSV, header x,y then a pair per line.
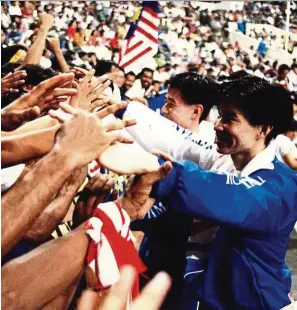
x,y
255,213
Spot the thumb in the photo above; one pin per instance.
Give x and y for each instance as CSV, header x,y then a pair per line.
x,y
29,114
74,99
161,173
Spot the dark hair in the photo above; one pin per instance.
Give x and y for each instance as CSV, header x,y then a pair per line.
x,y
292,126
35,75
103,66
196,89
131,73
283,68
294,65
82,54
146,70
260,102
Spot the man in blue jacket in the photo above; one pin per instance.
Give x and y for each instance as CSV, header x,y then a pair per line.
x,y
254,206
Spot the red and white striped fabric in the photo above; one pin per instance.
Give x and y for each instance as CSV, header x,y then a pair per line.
x,y
111,245
142,39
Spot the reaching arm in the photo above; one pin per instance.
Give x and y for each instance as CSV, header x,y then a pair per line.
x,y
53,215
51,268
54,46
23,147
30,195
291,160
35,52
154,132
246,203
41,123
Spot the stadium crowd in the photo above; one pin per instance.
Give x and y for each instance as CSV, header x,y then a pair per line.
x,y
94,180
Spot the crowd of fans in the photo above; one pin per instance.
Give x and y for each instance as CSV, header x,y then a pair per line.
x,y
72,178
189,37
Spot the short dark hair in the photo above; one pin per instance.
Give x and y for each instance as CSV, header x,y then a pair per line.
x,y
130,73
146,70
283,68
260,102
103,66
292,126
196,89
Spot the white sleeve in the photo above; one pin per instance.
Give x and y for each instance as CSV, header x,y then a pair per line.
x,y
283,145
154,132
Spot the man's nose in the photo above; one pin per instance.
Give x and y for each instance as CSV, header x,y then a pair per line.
x,y
218,126
164,109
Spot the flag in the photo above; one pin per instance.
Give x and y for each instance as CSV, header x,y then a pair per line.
x,y
141,42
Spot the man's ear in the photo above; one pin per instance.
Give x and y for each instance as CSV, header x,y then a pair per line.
x,y
265,131
197,111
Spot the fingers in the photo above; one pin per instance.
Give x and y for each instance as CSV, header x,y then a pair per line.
x,y
14,76
86,80
103,78
59,115
99,89
98,103
119,124
154,293
165,169
97,183
163,155
68,108
119,293
117,136
29,114
88,300
111,109
60,93
5,90
52,83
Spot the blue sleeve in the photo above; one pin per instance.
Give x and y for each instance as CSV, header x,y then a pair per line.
x,y
221,198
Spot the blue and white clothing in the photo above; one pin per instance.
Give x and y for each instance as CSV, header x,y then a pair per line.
x,y
256,210
157,136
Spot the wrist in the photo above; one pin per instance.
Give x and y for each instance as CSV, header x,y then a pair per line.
x,y
44,28
57,50
67,161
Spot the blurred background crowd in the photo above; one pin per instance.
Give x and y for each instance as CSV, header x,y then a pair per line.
x,y
191,37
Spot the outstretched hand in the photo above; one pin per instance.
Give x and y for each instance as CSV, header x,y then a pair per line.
x,y
95,192
10,120
47,93
83,136
136,199
12,81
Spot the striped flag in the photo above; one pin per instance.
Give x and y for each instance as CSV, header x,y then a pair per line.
x,y
141,41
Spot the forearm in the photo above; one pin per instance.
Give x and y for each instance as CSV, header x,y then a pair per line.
x,y
20,148
34,279
36,50
221,199
61,61
35,125
30,195
154,132
53,215
291,160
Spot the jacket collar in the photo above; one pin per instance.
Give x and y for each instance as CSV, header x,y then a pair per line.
x,y
263,160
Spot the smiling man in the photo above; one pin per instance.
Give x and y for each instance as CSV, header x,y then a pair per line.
x,y
249,194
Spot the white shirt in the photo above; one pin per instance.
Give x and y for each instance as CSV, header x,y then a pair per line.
x,y
10,175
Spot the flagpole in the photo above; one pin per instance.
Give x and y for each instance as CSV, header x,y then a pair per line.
x,y
288,13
